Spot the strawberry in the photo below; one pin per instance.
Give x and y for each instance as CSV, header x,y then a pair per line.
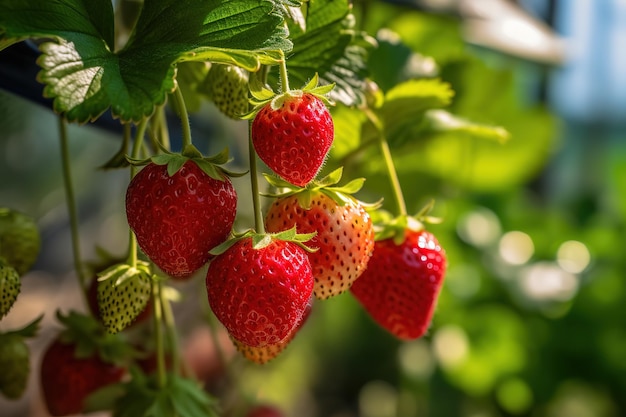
x,y
19,240
266,353
123,294
344,239
227,86
15,360
179,216
292,134
400,287
78,362
264,410
10,285
92,300
260,291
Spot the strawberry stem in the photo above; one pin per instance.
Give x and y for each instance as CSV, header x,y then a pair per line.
x,y
284,79
391,168
158,332
137,145
71,208
179,104
172,335
259,226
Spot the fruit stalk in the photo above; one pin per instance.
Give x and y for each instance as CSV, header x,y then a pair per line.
x,y
71,207
137,144
284,79
157,288
181,109
172,335
254,184
391,168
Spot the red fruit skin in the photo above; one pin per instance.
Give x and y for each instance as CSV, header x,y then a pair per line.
x,y
179,219
264,354
260,295
294,139
402,282
264,411
345,238
67,381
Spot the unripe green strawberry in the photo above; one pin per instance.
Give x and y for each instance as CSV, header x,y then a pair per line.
x,y
15,359
10,285
19,240
15,365
123,293
227,86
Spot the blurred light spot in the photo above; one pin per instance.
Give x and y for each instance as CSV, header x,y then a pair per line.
x,y
516,248
378,399
416,359
546,281
451,346
573,256
479,228
515,396
578,399
463,280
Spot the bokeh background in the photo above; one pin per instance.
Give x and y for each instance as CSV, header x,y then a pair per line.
x,y
531,318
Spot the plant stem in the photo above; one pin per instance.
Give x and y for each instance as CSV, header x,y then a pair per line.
x,y
71,207
137,145
284,79
259,226
179,103
172,335
157,288
391,168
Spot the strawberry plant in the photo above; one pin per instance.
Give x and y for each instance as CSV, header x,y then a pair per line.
x,y
264,274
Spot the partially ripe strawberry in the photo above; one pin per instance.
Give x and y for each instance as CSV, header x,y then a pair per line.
x,y
178,219
227,87
68,379
292,134
401,284
264,354
345,237
10,286
260,295
19,240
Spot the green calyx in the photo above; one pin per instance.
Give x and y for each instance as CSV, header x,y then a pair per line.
x,y
387,226
28,331
90,338
262,240
261,95
328,185
212,166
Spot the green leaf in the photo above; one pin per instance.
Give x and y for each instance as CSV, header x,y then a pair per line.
x,y
405,104
441,121
331,47
85,74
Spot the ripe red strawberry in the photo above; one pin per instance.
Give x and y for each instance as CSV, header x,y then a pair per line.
x,y
345,236
264,410
10,286
67,379
19,240
260,294
401,285
227,86
292,134
178,219
80,360
266,353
